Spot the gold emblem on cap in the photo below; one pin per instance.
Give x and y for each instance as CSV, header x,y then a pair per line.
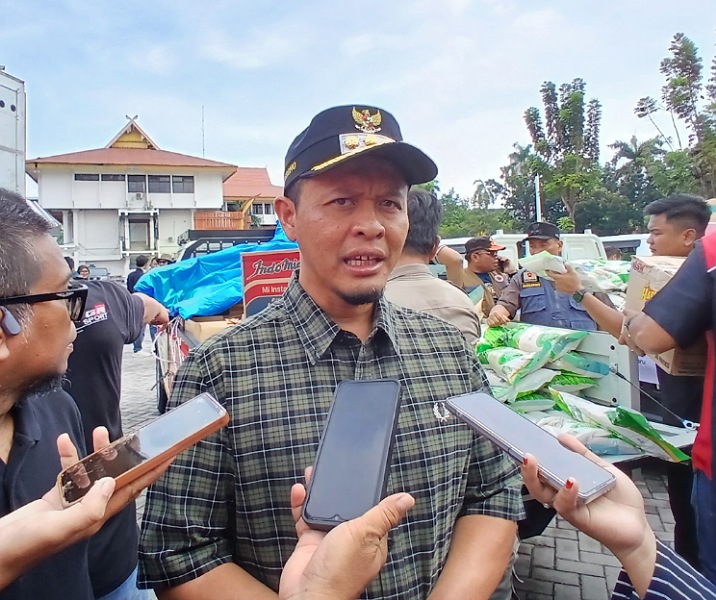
x,y
352,142
366,122
290,169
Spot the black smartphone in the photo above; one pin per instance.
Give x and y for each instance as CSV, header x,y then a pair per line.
x,y
350,471
517,435
131,456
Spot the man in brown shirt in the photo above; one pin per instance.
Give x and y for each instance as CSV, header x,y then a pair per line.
x,y
412,285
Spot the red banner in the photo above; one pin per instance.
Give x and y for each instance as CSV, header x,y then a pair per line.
x,y
266,276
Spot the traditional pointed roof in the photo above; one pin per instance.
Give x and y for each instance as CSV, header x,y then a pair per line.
x,y
130,147
132,136
251,182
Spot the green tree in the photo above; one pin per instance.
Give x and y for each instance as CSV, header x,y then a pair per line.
x,y
568,142
686,95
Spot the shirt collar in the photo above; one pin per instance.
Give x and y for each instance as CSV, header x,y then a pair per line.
x,y
317,330
410,270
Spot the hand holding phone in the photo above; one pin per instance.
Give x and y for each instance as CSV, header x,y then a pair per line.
x,y
350,472
616,519
135,454
517,436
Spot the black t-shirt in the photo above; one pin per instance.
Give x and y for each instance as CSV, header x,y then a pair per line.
x,y
30,472
684,309
113,317
132,279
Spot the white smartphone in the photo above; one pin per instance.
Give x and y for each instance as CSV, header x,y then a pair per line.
x,y
131,456
517,436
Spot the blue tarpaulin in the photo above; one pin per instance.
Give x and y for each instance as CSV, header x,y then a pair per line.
x,y
206,285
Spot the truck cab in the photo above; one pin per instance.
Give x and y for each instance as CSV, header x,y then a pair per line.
x,y
576,246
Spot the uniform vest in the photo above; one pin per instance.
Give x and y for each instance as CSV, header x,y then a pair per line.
x,y
541,304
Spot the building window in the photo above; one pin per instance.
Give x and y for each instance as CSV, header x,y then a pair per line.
x,y
183,184
258,209
136,183
159,184
112,177
86,177
268,208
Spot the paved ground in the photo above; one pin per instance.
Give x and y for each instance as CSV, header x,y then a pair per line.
x,y
562,564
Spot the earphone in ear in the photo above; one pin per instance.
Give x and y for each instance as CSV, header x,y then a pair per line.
x,y
9,323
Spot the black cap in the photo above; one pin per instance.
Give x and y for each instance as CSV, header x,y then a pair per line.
x,y
343,132
542,231
482,243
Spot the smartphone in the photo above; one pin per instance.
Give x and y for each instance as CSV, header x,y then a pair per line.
x,y
131,456
517,435
350,471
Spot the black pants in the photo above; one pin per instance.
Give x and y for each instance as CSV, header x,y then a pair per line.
x,y
680,479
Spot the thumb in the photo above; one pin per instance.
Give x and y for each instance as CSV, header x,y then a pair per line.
x,y
388,513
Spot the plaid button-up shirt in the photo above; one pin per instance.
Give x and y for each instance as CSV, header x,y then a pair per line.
x,y
227,498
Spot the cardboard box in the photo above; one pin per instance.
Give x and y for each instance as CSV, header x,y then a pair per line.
x,y
266,276
649,274
202,328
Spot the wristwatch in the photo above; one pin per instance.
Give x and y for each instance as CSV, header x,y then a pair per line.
x,y
579,295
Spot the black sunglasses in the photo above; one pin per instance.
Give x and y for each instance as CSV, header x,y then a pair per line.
x,y
75,296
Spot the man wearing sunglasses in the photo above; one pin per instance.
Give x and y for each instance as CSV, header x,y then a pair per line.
x,y
38,301
485,269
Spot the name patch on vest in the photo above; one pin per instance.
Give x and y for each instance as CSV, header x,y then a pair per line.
x,y
529,277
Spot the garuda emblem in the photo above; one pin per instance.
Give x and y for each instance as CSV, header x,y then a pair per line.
x,y
366,122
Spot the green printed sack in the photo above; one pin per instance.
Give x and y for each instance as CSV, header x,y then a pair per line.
x,y
570,382
508,392
511,364
535,338
579,364
625,423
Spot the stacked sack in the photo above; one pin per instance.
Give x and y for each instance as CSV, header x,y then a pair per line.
x,y
538,371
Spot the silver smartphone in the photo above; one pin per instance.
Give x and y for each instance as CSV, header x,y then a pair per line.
x,y
517,436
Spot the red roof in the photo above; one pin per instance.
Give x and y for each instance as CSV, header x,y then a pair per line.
x,y
129,156
251,182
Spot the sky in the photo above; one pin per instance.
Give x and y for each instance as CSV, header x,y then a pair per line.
x,y
457,74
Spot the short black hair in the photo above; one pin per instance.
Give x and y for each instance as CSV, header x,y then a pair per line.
x,y
83,267
70,263
689,210
293,191
141,260
20,267
424,214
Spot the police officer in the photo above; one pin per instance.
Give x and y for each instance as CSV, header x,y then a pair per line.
x,y
535,297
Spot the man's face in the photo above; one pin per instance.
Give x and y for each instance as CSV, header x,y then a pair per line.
x,y
350,224
550,245
669,238
483,261
39,353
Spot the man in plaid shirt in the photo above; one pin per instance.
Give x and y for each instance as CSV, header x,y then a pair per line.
x,y
219,524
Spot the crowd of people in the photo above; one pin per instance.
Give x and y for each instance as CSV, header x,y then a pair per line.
x,y
222,520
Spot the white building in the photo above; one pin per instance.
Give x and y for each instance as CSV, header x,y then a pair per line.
x,y
126,199
12,133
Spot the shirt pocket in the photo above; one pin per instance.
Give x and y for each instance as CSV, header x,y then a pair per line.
x,y
533,299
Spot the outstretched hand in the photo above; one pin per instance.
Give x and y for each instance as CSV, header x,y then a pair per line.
x,y
339,565
616,519
567,282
